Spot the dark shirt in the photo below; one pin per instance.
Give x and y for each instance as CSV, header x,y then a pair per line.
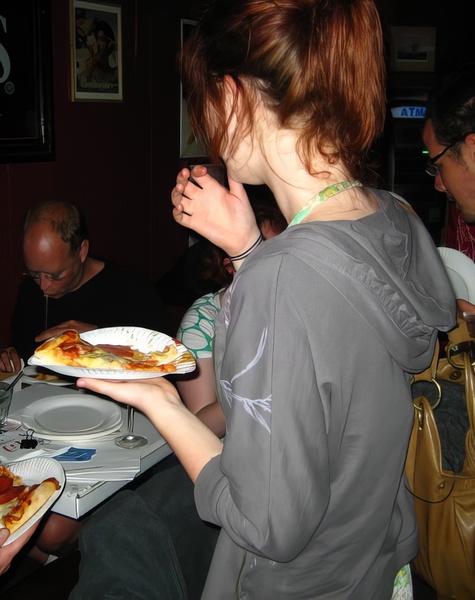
x,y
115,296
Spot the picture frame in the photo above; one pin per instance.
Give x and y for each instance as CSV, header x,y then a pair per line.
x,y
96,52
190,147
413,49
26,91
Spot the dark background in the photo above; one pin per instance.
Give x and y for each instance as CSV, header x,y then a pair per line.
x,y
118,161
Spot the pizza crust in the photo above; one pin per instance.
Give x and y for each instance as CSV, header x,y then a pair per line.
x,y
50,348
30,504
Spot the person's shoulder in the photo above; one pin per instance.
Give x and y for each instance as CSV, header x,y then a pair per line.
x,y
125,275
208,303
119,281
198,320
112,267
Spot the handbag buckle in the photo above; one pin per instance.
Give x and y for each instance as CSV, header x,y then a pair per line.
x,y
420,407
454,350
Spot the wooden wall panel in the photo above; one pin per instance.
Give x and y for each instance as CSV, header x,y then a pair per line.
x,y
116,161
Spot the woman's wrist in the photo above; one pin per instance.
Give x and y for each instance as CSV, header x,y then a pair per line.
x,y
243,255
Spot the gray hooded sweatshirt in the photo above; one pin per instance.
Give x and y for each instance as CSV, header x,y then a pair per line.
x,y
315,345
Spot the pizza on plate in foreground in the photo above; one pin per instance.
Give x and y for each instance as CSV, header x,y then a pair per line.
x,y
18,501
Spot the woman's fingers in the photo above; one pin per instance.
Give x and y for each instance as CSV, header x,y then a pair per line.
x,y
137,393
225,217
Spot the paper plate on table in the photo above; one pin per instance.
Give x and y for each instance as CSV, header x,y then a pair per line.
x,y
32,471
145,340
33,375
461,271
72,417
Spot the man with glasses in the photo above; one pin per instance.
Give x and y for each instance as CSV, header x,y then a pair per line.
x,y
65,287
449,136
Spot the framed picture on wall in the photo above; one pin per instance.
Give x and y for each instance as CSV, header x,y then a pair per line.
x,y
413,49
190,147
26,115
96,51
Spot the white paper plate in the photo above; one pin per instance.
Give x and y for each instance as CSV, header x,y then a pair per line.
x,y
461,271
36,470
72,417
140,338
30,374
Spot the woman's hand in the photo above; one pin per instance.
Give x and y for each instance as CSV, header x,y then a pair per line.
x,y
224,217
147,395
7,553
191,440
465,306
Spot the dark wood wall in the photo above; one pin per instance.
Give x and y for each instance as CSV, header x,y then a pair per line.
x,y
118,161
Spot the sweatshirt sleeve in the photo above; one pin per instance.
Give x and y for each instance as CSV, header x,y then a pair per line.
x,y
270,488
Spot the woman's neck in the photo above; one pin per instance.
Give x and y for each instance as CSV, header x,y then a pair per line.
x,y
331,194
326,192
324,195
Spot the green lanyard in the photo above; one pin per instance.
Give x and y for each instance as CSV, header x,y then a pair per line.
x,y
328,192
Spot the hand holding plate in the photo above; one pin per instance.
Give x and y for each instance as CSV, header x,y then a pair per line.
x,y
8,552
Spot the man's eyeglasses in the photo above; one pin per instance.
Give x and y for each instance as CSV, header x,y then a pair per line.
x,y
36,275
431,168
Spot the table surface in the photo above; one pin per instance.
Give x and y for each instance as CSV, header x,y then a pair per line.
x,y
78,498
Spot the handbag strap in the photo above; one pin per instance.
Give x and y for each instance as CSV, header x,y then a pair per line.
x,y
470,400
470,389
431,372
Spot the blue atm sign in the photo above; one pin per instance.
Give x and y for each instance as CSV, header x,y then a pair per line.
x,y
408,112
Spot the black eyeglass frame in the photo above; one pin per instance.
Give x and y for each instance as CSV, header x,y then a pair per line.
x,y
431,168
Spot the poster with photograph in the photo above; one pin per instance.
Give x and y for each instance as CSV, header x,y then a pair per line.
x,y
96,51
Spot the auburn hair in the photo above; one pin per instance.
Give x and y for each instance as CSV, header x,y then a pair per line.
x,y
317,64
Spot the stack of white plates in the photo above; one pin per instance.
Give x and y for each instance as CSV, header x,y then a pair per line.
x,y
72,417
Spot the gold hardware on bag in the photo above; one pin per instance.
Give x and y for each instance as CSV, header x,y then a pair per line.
x,y
420,414
419,406
459,349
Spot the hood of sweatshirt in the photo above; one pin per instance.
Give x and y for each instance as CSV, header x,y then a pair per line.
x,y
388,268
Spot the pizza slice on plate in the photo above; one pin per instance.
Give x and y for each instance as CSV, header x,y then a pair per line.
x,y
20,502
71,350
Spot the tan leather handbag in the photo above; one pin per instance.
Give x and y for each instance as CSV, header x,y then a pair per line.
x,y
444,499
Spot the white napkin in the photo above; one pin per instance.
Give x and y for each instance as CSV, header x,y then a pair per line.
x,y
108,470
22,454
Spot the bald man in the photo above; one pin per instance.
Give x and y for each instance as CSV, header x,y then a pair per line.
x,y
65,287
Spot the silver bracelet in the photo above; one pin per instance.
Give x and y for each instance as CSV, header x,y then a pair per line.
x,y
249,250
